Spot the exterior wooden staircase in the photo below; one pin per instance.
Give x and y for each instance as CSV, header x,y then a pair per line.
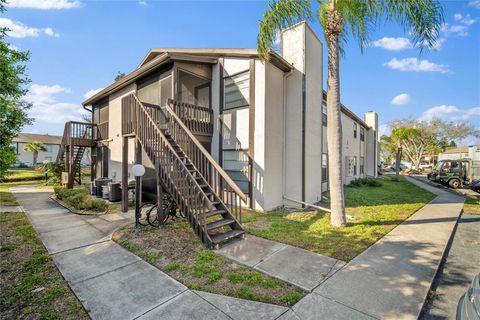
x,y
206,194
77,136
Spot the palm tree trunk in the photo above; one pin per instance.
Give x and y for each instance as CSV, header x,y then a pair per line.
x,y
35,157
334,134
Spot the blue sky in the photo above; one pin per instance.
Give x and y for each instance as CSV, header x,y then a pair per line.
x,y
77,46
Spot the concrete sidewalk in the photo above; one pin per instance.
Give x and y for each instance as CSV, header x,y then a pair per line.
x,y
113,283
391,279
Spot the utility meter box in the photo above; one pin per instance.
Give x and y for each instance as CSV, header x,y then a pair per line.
x,y
64,178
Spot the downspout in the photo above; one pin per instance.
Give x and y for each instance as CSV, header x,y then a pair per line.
x,y
307,204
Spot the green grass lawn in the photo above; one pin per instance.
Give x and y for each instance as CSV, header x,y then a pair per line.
x,y
374,211
31,285
24,174
6,198
472,206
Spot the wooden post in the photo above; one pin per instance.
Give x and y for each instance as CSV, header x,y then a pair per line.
x,y
138,160
67,163
160,213
71,175
125,174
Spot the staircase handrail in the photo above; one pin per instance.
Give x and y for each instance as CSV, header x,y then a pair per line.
x,y
205,153
172,150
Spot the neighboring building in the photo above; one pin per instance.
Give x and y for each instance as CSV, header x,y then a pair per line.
x,y
51,143
470,152
234,117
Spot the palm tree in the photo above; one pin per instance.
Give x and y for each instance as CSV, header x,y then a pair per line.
x,y
34,147
339,19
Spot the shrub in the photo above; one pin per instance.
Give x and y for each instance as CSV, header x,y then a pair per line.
x,y
371,182
79,199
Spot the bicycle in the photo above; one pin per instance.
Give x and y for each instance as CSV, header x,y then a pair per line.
x,y
169,209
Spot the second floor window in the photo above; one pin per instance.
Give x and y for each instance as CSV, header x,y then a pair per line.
x,y
354,130
362,134
237,90
324,167
324,115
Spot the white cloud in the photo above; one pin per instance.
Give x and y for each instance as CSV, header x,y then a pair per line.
x,y
91,92
474,3
44,4
393,44
143,3
450,113
46,108
19,30
401,99
44,93
463,24
416,65
456,29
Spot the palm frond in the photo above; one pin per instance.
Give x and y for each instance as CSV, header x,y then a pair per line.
x,y
423,19
280,15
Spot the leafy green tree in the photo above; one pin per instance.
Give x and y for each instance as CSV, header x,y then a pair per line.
x,y
420,138
339,20
13,110
34,147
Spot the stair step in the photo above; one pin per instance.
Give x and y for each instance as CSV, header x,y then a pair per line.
x,y
222,237
219,223
214,213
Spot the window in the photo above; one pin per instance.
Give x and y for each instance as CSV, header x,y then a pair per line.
x,y
235,163
324,167
48,147
362,165
237,90
362,134
354,130
350,166
324,115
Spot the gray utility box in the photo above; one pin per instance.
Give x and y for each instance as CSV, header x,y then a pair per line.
x,y
99,183
114,191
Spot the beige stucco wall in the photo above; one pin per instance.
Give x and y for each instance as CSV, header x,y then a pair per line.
x,y
313,117
115,134
372,152
352,147
273,137
293,50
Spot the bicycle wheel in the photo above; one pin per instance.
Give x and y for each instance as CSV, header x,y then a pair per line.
x,y
152,216
144,209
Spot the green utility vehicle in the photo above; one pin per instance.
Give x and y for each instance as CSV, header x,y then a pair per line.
x,y
455,173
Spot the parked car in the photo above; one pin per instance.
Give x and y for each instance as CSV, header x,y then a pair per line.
x,y
468,307
475,186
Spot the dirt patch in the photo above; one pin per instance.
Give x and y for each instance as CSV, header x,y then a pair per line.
x,y
176,250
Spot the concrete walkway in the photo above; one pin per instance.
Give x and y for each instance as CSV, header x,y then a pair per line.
x,y
391,279
299,267
113,283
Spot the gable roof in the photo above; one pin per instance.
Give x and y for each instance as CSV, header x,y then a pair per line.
x,y
275,58
156,58
43,138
